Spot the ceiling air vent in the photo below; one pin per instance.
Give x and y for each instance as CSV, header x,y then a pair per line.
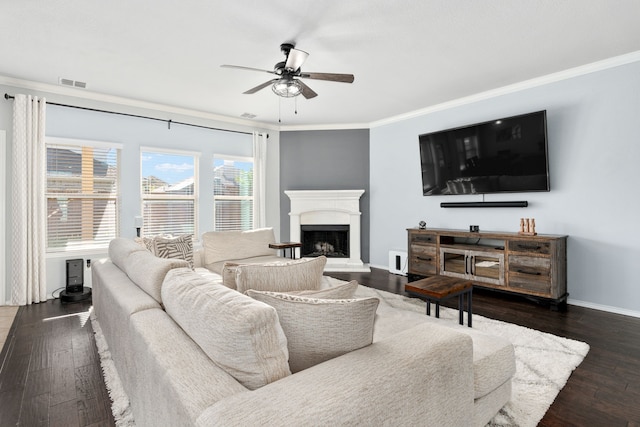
x,y
72,83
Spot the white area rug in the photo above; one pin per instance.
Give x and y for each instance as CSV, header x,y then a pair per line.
x,y
544,363
120,401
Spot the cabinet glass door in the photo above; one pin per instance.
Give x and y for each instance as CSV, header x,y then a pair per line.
x,y
487,267
480,266
453,262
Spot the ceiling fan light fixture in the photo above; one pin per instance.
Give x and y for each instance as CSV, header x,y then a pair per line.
x,y
287,88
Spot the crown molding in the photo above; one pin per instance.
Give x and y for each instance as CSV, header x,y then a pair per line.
x,y
129,102
341,126
516,87
593,67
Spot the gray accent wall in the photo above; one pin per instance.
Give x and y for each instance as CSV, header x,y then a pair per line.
x,y
325,160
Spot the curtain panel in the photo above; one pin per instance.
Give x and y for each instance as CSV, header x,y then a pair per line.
x,y
259,179
28,211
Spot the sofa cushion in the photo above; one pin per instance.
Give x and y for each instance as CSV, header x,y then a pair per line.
x,y
493,356
179,247
216,267
230,245
148,271
120,248
295,275
340,291
229,274
321,329
239,334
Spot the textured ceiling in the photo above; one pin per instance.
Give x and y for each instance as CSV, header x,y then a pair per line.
x,y
405,55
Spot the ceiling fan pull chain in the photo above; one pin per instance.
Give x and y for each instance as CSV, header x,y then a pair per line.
x,y
296,104
279,109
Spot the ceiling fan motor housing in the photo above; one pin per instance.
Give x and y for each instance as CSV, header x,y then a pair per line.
x,y
289,74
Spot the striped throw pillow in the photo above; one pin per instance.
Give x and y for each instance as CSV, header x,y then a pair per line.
x,y
180,247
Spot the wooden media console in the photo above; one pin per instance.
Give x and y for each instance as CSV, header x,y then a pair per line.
x,y
534,266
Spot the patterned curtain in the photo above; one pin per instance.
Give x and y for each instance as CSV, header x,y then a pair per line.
x,y
27,232
259,179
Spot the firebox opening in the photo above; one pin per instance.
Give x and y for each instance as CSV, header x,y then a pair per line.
x,y
331,241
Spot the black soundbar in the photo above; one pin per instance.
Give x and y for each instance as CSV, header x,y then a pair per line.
x,y
516,204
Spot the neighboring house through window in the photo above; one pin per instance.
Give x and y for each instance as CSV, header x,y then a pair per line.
x,y
169,191
233,193
82,192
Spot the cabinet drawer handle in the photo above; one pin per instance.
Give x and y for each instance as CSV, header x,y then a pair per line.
x,y
533,248
425,259
533,273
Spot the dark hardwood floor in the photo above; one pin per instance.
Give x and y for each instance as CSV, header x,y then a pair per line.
x,y
50,374
49,369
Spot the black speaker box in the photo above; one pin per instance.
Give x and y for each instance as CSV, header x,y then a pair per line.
x,y
75,275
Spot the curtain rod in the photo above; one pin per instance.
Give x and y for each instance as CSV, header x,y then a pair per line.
x,y
169,122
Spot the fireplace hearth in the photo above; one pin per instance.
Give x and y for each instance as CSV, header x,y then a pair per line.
x,y
331,241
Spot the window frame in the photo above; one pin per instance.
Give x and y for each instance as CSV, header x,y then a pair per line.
x,y
235,158
83,245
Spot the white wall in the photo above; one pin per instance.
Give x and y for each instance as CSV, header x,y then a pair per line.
x,y
594,151
133,133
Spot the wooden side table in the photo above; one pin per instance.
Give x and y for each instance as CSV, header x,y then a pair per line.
x,y
440,288
286,245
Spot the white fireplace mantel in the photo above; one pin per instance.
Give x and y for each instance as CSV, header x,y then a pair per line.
x,y
329,207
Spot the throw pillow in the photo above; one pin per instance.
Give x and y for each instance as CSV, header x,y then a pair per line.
x,y
296,275
180,247
321,329
341,291
147,243
239,334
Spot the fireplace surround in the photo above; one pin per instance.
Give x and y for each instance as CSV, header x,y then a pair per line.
x,y
323,210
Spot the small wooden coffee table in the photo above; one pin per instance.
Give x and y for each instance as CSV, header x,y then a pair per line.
x,y
440,288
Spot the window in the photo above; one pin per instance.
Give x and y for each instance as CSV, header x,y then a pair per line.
x,y
233,193
82,194
169,192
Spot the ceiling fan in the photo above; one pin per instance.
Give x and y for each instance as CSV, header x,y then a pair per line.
x,y
287,84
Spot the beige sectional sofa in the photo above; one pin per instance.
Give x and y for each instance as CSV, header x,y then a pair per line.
x,y
191,351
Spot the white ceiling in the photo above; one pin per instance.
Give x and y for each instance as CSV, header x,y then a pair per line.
x,y
406,55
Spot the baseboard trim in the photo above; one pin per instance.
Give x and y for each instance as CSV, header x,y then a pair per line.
x,y
602,307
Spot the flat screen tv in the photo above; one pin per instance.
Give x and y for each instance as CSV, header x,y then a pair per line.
x,y
504,155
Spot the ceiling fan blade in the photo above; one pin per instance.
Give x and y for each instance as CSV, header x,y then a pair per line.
x,y
307,92
260,87
333,77
295,59
239,67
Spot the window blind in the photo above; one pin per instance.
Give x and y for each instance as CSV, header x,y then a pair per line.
x,y
82,193
233,193
169,193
